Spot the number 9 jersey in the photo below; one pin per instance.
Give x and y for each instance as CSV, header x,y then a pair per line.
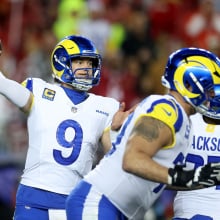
x,y
63,137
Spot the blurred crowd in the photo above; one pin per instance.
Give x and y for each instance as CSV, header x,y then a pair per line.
x,y
134,38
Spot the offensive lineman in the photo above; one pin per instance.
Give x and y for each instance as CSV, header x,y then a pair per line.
x,y
129,179
65,126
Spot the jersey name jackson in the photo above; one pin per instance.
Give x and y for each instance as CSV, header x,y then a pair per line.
x,y
203,143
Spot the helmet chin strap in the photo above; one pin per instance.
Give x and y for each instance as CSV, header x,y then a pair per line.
x,y
81,87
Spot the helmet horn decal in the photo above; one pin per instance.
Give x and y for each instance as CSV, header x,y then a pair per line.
x,y
179,82
70,46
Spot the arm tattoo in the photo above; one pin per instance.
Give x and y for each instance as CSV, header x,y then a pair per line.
x,y
148,128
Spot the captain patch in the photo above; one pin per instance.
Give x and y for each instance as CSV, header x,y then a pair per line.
x,y
48,94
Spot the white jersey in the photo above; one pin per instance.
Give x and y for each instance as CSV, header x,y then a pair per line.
x,y
63,137
204,148
132,195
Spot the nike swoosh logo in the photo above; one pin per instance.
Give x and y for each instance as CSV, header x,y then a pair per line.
x,y
27,207
167,112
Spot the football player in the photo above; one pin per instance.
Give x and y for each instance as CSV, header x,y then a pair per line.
x,y
66,124
150,146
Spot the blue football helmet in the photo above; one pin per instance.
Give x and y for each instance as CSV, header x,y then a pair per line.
x,y
195,74
75,47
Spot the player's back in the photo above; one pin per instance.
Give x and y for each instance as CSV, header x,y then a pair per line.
x,y
204,147
137,194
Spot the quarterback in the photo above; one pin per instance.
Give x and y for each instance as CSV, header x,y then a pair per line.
x,y
66,124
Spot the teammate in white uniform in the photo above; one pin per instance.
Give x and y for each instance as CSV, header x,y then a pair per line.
x,y
66,124
151,141
201,204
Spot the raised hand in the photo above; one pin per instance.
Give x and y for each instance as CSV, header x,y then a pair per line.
x,y
120,116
